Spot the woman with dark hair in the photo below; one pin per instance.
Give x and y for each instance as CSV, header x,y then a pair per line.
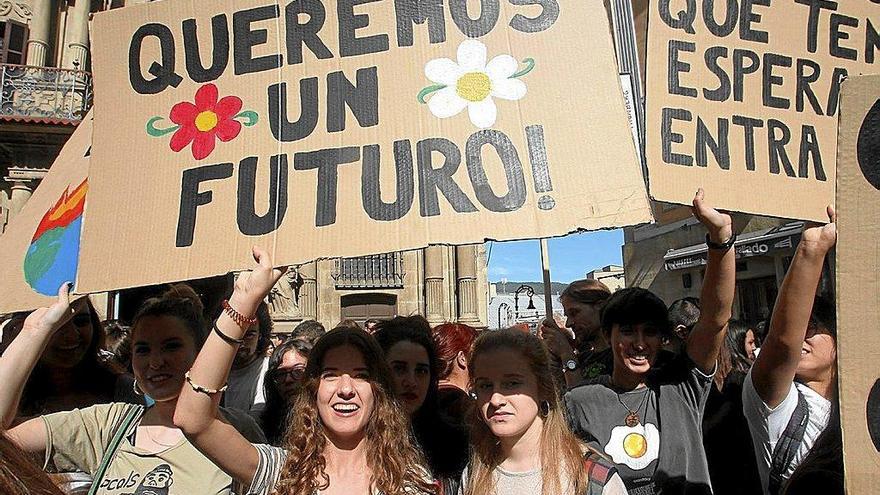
x,y
117,443
347,436
583,353
521,442
409,352
69,372
453,342
733,468
287,367
789,392
648,419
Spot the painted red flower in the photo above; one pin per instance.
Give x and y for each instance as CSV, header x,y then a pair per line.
x,y
201,122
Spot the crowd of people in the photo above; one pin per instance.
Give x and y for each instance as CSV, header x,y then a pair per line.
x,y
627,396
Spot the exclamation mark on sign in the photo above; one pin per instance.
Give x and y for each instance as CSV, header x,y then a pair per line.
x,y
540,166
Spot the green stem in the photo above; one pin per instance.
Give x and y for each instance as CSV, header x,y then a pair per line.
x,y
428,90
530,64
155,132
251,116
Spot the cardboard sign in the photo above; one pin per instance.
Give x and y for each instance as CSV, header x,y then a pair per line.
x,y
40,248
742,99
344,128
858,287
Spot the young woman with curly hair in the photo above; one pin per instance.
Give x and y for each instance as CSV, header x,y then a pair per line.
x,y
348,435
519,436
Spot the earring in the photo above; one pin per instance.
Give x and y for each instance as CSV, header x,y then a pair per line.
x,y
135,389
545,408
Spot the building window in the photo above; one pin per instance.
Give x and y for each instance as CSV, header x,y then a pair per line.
x,y
13,42
361,307
369,272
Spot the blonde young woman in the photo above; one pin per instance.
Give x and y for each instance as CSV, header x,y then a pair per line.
x,y
520,439
346,435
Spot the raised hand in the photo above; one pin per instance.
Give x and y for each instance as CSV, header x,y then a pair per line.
x,y
821,237
719,225
48,320
251,287
557,340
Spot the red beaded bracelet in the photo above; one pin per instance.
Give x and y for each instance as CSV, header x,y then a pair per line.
x,y
239,319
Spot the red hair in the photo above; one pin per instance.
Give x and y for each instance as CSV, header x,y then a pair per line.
x,y
449,340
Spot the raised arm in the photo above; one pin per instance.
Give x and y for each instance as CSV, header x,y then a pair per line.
x,y
775,367
17,363
196,412
719,283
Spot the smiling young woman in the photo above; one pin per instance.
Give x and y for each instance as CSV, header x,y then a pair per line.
x,y
347,436
121,445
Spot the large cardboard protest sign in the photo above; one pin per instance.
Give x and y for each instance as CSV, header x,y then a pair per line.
x,y
858,286
348,127
742,99
40,249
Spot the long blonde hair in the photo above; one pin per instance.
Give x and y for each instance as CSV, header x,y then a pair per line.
x,y
562,454
396,463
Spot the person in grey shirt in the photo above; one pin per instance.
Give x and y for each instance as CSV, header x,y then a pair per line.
x,y
648,420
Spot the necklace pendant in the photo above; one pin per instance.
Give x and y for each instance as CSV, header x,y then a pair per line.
x,y
632,419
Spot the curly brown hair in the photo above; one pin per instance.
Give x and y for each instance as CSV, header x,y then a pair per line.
x,y
396,463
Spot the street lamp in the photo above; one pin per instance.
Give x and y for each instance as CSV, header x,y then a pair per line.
x,y
529,292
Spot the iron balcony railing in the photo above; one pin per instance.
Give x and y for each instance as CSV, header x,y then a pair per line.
x,y
30,92
369,272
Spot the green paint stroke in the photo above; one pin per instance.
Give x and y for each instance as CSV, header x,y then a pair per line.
x,y
155,132
530,64
428,90
41,254
251,116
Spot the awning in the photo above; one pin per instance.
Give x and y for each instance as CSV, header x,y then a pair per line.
x,y
757,243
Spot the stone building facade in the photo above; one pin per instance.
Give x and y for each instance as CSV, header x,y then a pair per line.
x,y
45,89
443,283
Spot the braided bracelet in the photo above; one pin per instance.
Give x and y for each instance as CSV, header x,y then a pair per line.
x,y
204,390
239,319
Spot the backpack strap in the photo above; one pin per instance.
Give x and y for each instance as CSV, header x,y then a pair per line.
x,y
599,472
132,414
789,443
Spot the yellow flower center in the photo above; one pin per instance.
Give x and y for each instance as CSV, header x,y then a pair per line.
x,y
205,121
473,86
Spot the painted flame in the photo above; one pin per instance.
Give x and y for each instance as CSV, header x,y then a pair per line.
x,y
68,207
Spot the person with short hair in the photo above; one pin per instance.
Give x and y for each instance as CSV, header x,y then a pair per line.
x,y
245,390
453,342
684,314
648,420
789,393
309,330
521,442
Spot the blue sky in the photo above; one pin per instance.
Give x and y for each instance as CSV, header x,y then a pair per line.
x,y
571,257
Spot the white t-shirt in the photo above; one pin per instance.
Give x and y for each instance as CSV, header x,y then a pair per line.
x,y
767,425
245,391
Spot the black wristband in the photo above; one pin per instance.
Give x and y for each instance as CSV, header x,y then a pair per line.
x,y
724,246
226,338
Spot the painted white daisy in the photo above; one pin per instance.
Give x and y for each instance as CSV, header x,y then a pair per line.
x,y
472,83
